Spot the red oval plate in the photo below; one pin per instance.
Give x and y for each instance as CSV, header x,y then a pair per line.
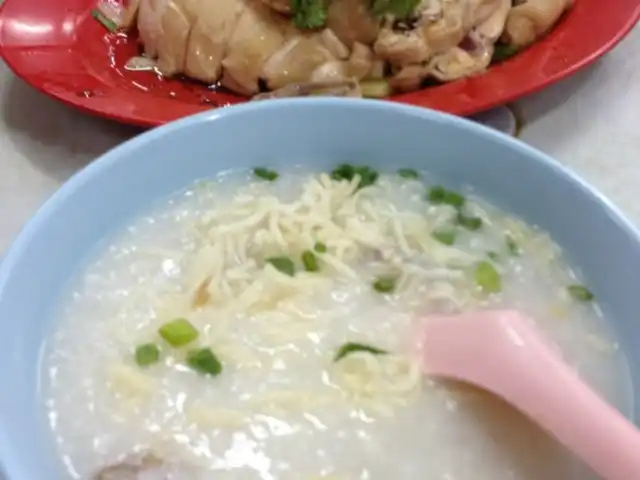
x,y
58,48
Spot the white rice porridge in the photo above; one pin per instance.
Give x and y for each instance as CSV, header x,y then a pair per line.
x,y
280,405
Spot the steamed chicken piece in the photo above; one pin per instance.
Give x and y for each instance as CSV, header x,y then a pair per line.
x,y
295,61
164,27
351,20
433,46
242,42
282,6
491,28
358,66
530,20
402,46
259,33
210,36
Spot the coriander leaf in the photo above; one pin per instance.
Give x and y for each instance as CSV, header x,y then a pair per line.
x,y
309,14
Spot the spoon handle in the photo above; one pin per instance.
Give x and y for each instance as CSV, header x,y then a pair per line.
x,y
554,396
502,353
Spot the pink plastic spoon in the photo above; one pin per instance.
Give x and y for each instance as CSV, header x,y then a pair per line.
x,y
501,351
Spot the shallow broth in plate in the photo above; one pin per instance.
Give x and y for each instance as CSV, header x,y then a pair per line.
x,y
259,325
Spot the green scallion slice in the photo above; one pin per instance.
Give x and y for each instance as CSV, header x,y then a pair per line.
x,y
409,173
447,236
320,247
367,175
352,347
384,285
266,174
469,222
309,261
512,246
147,354
439,195
204,361
487,277
178,332
580,293
106,22
283,265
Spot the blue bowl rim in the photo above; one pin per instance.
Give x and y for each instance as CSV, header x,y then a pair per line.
x,y
16,251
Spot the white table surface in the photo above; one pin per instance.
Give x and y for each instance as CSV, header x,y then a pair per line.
x,y
590,122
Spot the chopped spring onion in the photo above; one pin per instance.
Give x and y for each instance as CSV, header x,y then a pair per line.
x,y
352,347
147,354
104,20
446,236
441,196
469,222
512,246
580,292
178,332
320,247
409,173
309,261
367,175
384,285
487,278
266,174
502,52
204,361
375,88
493,256
283,265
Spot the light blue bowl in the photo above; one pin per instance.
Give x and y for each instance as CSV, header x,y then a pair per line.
x,y
321,132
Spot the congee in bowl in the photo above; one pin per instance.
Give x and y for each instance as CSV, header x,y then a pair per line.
x,y
252,316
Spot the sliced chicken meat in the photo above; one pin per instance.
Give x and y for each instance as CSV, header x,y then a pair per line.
x,y
210,36
337,88
259,33
458,63
401,48
532,19
409,78
351,21
492,27
295,60
282,6
334,44
164,27
359,66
